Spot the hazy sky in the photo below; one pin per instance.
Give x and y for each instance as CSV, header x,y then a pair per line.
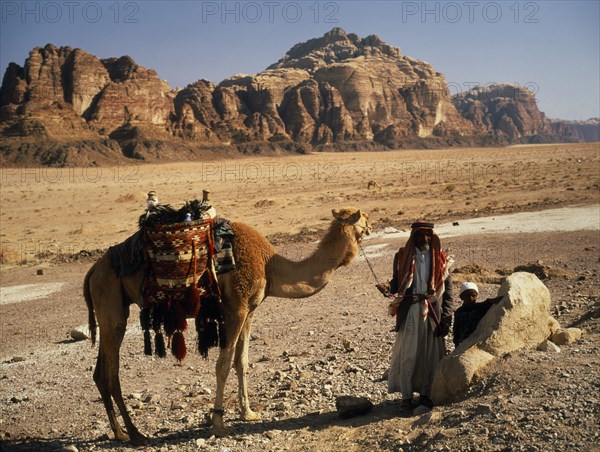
x,y
552,47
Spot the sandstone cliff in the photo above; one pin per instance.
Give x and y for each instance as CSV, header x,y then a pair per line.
x,y
336,92
508,110
588,130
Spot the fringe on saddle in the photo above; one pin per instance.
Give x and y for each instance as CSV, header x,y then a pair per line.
x,y
182,259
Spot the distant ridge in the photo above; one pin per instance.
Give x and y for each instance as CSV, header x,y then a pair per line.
x,y
335,92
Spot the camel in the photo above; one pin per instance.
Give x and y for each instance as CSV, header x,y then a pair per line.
x,y
373,184
260,272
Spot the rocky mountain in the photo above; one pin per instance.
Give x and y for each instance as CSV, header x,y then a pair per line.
x,y
336,92
588,130
509,111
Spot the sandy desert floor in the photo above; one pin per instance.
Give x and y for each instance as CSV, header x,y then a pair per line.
x,y
53,221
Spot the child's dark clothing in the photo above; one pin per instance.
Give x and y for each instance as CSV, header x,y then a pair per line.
x,y
468,316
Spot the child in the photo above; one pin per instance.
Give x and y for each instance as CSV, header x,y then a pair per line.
x,y
470,313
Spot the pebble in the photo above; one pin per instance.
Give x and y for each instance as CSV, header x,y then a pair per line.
x,y
80,333
70,448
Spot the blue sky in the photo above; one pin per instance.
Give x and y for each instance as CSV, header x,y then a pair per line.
x,y
552,47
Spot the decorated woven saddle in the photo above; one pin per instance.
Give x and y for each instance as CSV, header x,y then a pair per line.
x,y
181,278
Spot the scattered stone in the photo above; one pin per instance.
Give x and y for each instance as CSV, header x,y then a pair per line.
x,y
271,434
350,406
15,359
200,442
553,325
565,336
427,415
178,406
40,271
347,345
80,333
151,398
70,448
282,406
548,346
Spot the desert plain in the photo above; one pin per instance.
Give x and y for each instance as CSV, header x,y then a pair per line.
x,y
54,222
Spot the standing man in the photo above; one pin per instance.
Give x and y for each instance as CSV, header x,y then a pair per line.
x,y
423,309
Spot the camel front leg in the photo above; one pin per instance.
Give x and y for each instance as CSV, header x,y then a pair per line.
x,y
241,367
222,369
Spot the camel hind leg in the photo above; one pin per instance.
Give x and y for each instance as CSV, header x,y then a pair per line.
x,y
109,385
102,379
112,313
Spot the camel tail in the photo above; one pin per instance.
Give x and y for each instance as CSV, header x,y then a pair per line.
x,y
87,294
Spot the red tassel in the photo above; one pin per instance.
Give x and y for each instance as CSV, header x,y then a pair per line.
x,y
180,317
193,301
178,346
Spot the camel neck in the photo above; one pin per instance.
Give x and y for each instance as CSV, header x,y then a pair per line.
x,y
299,279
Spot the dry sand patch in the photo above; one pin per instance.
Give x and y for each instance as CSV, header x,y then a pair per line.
x,y
54,210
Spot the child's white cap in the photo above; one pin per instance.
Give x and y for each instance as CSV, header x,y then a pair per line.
x,y
468,286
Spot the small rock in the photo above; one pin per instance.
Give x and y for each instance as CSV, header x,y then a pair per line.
x,y
151,398
70,448
350,406
135,396
283,406
40,271
549,346
421,410
347,345
427,415
200,442
15,359
178,406
449,432
80,333
272,433
565,336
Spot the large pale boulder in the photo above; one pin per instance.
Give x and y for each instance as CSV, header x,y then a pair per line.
x,y
520,320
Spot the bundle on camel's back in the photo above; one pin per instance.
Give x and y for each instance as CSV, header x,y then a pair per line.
x,y
260,272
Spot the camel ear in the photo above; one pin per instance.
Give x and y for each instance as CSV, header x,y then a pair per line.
x,y
347,215
356,216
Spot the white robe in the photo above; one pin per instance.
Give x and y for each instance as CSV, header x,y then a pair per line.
x,y
416,351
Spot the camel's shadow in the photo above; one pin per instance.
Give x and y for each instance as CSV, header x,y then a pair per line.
x,y
312,422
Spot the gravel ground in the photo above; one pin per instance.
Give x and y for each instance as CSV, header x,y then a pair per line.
x,y
305,353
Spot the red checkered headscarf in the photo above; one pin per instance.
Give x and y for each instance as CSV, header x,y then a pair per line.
x,y
406,261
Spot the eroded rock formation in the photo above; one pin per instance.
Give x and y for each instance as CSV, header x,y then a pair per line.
x,y
338,91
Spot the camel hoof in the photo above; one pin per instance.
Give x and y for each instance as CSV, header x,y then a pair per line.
x,y
250,415
139,440
219,431
121,436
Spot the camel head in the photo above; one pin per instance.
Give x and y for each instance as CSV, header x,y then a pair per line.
x,y
354,217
